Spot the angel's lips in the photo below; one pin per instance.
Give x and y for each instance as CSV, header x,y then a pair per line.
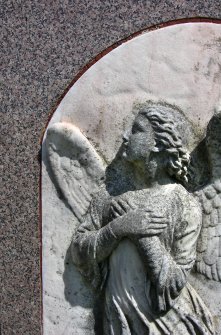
x,y
124,151
124,154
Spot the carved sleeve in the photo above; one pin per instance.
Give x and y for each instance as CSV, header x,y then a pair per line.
x,y
92,243
168,269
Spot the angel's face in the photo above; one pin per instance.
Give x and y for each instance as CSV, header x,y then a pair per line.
x,y
139,140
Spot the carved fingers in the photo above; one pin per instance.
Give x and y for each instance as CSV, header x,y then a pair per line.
x,y
120,207
138,223
128,221
153,224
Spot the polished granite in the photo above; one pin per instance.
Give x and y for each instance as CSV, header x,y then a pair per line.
x,y
44,46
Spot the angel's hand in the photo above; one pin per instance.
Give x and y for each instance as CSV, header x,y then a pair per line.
x,y
120,207
151,224
139,223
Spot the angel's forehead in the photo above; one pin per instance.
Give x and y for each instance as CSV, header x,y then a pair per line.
x,y
142,121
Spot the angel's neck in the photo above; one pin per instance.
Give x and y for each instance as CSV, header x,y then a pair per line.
x,y
142,179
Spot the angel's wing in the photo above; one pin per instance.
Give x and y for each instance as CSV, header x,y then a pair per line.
x,y
208,261
76,167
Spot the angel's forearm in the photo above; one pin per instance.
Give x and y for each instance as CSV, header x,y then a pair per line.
x,y
150,250
106,242
89,246
167,277
158,260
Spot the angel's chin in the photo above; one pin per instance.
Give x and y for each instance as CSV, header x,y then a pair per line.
x,y
125,156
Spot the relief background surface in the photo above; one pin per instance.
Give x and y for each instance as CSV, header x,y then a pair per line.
x,y
179,64
44,47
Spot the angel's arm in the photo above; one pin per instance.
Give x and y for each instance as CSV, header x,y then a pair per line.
x,y
98,236
168,270
92,242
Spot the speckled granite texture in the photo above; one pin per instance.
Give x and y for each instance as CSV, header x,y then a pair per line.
x,y
44,45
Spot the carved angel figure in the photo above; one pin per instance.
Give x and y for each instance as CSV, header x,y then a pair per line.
x,y
136,245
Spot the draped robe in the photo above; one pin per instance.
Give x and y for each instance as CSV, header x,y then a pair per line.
x,y
144,280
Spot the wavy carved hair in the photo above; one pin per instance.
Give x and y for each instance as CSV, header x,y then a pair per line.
x,y
168,139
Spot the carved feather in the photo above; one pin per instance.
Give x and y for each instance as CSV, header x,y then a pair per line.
x,y
209,243
208,260
76,167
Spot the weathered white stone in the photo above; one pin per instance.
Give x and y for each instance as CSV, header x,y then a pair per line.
x,y
179,65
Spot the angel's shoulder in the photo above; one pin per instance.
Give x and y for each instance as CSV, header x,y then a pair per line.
x,y
99,206
188,211
186,199
178,191
100,198
101,193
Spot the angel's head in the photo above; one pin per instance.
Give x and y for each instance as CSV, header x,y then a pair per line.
x,y
155,140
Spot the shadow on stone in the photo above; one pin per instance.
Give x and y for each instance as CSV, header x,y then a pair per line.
x,y
78,293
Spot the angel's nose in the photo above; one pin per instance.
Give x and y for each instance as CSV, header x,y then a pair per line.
x,y
126,135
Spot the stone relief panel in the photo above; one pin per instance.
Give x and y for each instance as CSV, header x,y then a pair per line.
x,y
131,186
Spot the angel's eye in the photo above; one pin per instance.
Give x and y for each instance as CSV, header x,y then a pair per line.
x,y
137,128
133,130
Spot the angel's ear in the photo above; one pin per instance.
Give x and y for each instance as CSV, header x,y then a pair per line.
x,y
156,147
